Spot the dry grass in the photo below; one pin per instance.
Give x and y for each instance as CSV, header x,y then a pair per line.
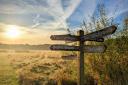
x,y
36,66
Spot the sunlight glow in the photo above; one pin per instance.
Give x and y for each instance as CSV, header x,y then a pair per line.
x,y
12,31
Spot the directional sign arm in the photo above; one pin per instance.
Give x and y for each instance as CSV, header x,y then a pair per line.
x,y
87,48
64,47
95,48
95,39
73,38
100,33
67,37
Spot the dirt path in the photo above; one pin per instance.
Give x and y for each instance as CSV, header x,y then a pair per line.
x,y
7,73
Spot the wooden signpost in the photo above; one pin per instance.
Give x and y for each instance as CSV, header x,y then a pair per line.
x,y
87,48
69,37
101,33
94,36
81,48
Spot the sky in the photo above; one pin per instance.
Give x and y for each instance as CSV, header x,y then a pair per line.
x,y
36,20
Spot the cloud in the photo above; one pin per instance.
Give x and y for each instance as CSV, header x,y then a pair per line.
x,y
31,32
116,7
24,30
54,14
21,6
29,36
43,9
2,27
59,13
83,12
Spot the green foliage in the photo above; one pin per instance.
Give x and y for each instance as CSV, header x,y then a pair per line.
x,y
110,68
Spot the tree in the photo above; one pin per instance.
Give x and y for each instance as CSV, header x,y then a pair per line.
x,y
125,30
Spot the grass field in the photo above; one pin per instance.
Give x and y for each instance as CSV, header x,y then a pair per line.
x,y
7,73
49,68
26,68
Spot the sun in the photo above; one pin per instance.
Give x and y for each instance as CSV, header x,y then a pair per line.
x,y
12,31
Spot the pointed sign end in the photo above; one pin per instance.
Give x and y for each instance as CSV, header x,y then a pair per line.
x,y
114,28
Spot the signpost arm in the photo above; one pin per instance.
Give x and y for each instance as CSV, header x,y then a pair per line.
x,y
81,60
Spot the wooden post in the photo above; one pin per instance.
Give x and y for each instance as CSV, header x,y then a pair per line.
x,y
81,60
